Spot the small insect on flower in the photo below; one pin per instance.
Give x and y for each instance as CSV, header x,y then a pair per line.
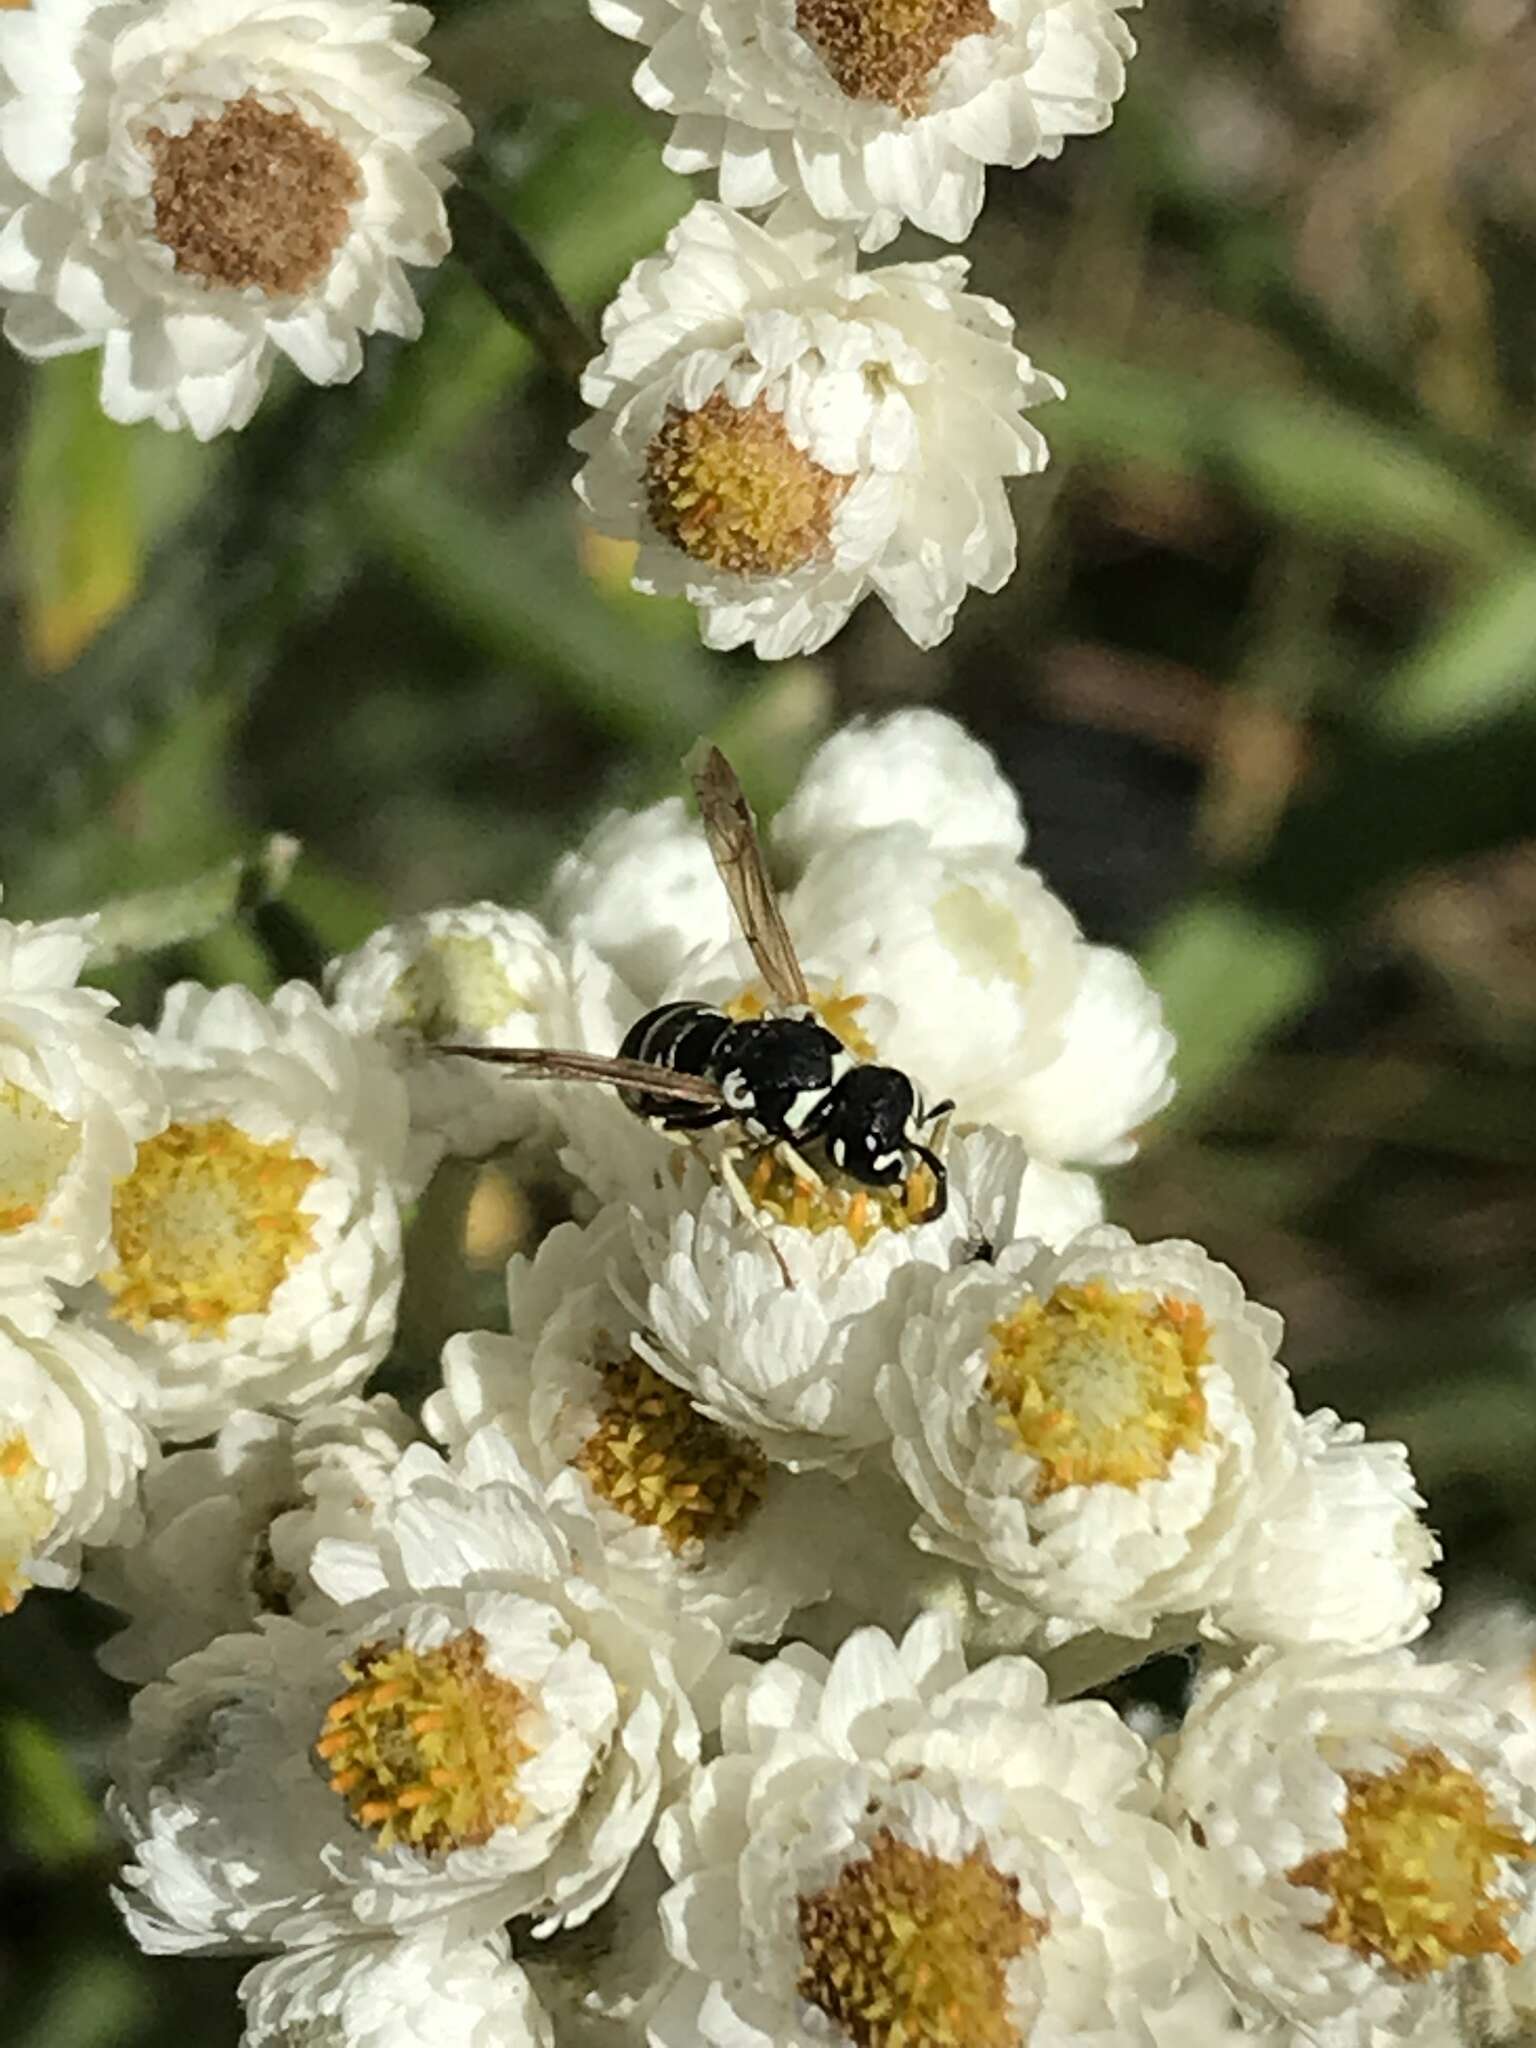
x,y
782,1080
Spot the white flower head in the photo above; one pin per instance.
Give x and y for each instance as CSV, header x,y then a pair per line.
x,y
229,1530
1353,1838
742,1542
255,1254
76,1096
1095,1430
912,768
889,1841
880,113
794,1365
201,187
485,1733
72,1450
783,434
421,1992
641,890
482,976
1341,1554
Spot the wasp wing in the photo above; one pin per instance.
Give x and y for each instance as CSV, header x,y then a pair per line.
x,y
732,834
538,1063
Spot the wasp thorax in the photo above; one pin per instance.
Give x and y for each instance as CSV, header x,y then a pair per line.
x,y
1101,1386
425,1745
837,1011
908,1950
252,198
1418,1881
888,50
656,1459
727,485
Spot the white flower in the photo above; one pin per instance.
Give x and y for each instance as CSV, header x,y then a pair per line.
x,y
230,1530
1340,1555
417,1993
71,1452
476,975
1353,1838
485,1733
199,187
888,1841
913,768
255,1257
76,1096
880,114
641,890
794,1366
742,1542
782,434
1095,1430
601,1983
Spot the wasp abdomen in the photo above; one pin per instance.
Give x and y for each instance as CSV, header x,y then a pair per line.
x,y
686,1038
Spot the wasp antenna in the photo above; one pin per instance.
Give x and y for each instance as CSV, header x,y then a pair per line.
x,y
931,1116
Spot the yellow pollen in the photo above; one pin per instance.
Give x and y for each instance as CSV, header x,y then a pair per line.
x,y
655,1458
888,50
36,1148
252,198
840,1203
1414,1885
1100,1387
425,1745
839,1012
26,1516
207,1226
727,485
905,1950
457,985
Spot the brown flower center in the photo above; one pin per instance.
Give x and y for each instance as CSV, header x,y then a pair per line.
x,y
655,1458
252,198
888,50
727,485
906,1950
1416,1882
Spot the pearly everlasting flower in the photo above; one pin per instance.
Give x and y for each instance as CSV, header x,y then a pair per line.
x,y
795,1366
230,1530
879,114
255,1250
1341,1554
782,434
887,1842
1096,1431
201,187
484,1731
76,1096
1354,1841
742,1542
423,1992
912,768
72,1449
641,890
476,975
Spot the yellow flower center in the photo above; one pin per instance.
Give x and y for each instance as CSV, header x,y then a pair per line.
x,y
655,1458
36,1148
727,485
425,1745
207,1226
839,1203
1100,1387
1415,1884
252,198
888,50
457,985
905,1950
27,1516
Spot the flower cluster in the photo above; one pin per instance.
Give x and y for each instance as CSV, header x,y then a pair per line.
x,y
198,188
703,1660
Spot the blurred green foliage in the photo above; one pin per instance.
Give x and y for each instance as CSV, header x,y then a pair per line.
x,y
1266,677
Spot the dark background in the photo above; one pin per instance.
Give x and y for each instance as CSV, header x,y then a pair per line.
x,y
1266,679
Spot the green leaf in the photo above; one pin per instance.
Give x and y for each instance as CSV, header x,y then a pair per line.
x,y
186,911
51,1819
1477,668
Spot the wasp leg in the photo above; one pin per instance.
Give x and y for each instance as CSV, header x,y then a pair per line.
x,y
797,1163
735,1187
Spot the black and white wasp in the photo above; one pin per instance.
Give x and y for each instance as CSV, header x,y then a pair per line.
x,y
782,1080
